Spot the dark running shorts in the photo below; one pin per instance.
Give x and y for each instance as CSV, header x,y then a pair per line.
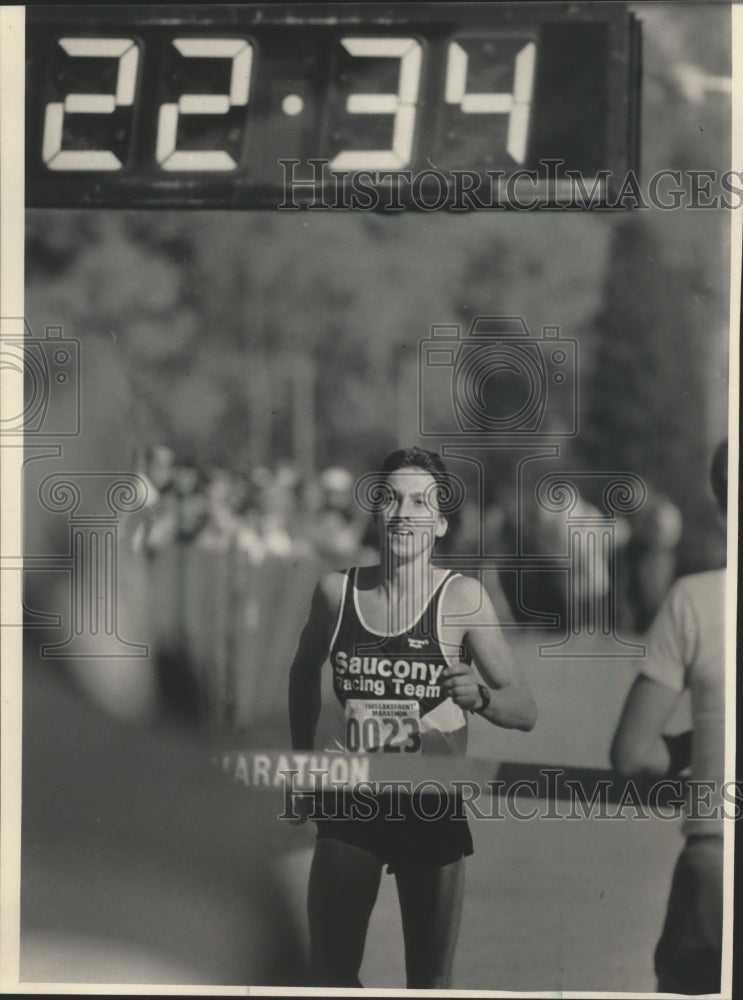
x,y
688,956
411,843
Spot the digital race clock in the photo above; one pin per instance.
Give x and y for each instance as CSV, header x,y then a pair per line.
x,y
265,105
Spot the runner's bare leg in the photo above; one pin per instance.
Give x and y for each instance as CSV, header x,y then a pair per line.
x,y
431,905
344,882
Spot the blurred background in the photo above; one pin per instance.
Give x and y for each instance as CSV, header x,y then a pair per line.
x,y
251,366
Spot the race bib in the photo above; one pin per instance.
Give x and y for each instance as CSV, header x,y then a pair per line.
x,y
387,726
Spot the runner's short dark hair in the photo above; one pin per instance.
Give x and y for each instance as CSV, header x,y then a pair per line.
x,y
428,461
719,475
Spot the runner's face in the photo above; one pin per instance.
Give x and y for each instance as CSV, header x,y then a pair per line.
x,y
410,523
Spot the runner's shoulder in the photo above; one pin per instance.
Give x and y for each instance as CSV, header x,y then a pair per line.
x,y
330,589
465,594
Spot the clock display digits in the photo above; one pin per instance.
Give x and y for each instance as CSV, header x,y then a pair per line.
x,y
167,155
515,104
340,105
401,105
127,53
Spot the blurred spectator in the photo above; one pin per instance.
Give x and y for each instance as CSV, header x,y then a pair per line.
x,y
590,578
156,526
287,475
248,537
268,513
339,524
275,505
287,500
186,480
542,533
218,534
312,497
188,484
650,557
159,466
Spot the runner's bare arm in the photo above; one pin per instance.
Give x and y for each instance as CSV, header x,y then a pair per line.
x,y
312,651
511,702
638,747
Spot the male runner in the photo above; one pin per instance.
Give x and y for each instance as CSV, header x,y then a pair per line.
x,y
401,637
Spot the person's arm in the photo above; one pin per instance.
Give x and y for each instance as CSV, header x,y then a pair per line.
x,y
305,673
638,746
511,703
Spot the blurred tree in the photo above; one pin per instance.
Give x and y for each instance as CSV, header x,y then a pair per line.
x,y
659,362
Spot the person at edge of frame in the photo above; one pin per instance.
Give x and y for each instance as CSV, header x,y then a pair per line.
x,y
359,610
685,649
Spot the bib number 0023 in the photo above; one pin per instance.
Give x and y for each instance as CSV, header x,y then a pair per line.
x,y
389,726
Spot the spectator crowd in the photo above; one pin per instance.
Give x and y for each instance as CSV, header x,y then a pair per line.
x,y
277,513
264,513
